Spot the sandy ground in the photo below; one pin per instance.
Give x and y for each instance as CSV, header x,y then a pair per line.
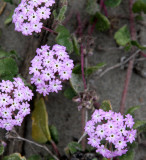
x,y
62,112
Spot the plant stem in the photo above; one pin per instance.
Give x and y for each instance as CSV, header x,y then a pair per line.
x,y
83,112
143,54
91,29
118,64
131,62
32,142
83,78
102,6
82,137
82,67
55,148
132,25
49,30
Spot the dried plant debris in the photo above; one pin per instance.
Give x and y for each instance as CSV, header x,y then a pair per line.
x,y
2,6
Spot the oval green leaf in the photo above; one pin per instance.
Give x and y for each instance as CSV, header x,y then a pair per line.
x,y
64,38
77,83
112,3
1,148
106,105
132,110
54,133
8,68
128,156
70,93
122,36
14,156
40,129
103,24
138,124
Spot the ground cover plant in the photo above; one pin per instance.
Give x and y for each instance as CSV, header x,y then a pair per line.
x,y
26,83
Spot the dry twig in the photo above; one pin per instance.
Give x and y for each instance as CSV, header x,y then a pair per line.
x,y
14,135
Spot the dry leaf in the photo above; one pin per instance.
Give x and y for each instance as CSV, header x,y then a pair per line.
x,y
2,6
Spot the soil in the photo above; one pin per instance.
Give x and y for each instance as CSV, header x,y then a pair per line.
x,y
63,113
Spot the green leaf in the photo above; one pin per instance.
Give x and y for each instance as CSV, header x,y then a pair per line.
x,y
74,147
54,133
104,159
89,70
128,156
14,54
112,3
77,83
14,156
92,7
138,124
139,18
132,145
64,38
90,149
55,14
4,54
65,42
9,18
9,1
1,148
61,15
142,129
40,129
61,30
48,157
77,69
122,36
103,23
127,47
132,110
34,157
76,46
69,93
106,105
139,6
8,68
135,43
93,69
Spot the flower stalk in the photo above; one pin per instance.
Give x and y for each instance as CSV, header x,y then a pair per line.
x,y
131,62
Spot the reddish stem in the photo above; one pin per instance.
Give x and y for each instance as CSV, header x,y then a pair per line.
x,y
50,30
82,49
91,29
85,87
79,31
127,81
143,54
55,148
82,66
131,62
132,25
83,143
102,6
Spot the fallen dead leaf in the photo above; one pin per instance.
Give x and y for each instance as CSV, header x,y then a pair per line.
x,y
140,99
2,6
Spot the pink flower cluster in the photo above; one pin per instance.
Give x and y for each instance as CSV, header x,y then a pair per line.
x,y
13,103
49,68
110,132
29,14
